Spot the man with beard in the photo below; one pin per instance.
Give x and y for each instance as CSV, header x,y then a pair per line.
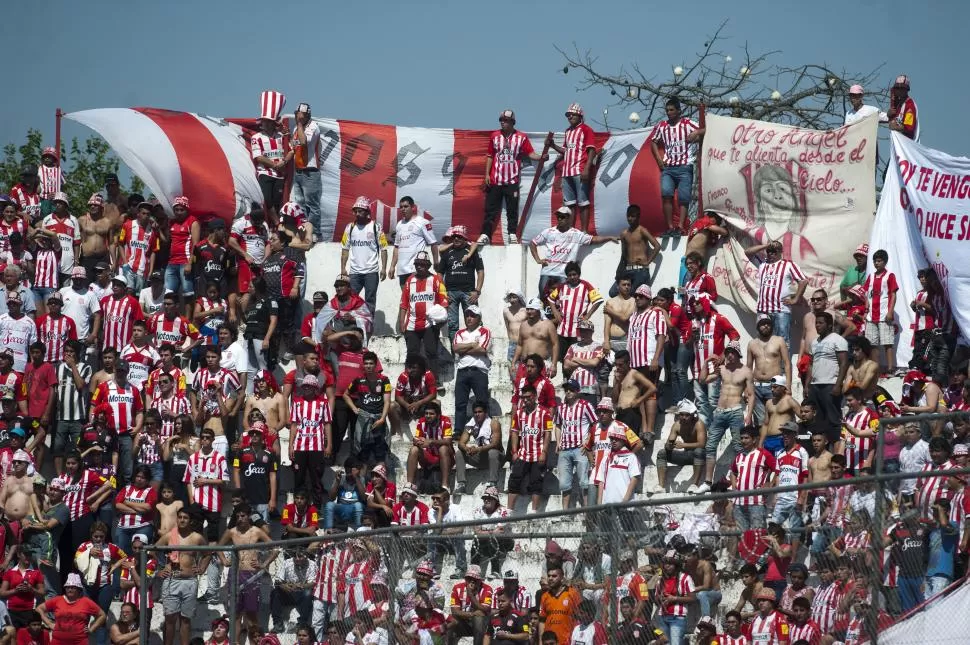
x,y
780,410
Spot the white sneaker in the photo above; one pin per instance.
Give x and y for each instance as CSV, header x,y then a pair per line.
x,y
483,239
703,488
513,239
692,489
656,489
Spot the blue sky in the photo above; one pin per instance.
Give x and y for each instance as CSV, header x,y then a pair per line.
x,y
444,64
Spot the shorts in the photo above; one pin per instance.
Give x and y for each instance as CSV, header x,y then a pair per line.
x,y
179,596
213,525
41,294
21,618
526,477
430,456
631,417
575,192
177,281
248,595
272,188
679,179
66,435
244,276
880,334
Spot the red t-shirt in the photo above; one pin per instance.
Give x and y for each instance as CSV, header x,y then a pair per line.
x,y
71,619
22,601
39,382
24,637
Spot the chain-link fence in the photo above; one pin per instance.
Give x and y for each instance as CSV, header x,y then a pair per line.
x,y
844,560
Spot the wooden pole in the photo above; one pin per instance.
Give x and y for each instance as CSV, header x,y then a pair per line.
x,y
532,190
702,120
57,133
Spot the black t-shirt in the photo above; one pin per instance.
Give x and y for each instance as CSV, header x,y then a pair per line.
x,y
634,633
369,394
458,276
254,469
909,550
211,262
514,623
273,269
257,317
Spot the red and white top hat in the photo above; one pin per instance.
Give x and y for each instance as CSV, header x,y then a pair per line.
x,y
575,108
271,105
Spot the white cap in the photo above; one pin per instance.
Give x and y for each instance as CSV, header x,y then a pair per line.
x,y
534,303
686,407
120,278
21,455
779,379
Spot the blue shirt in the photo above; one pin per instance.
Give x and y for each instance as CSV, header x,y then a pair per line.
x,y
943,544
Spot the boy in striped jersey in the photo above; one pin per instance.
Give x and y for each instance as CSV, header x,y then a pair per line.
x,y
678,137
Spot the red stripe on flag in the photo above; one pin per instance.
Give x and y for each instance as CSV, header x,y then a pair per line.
x,y
468,198
645,190
206,176
367,154
599,140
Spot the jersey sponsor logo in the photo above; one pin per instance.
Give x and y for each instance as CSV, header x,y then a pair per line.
x,y
253,470
121,398
422,297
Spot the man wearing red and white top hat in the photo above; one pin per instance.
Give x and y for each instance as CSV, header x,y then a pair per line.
x,y
269,153
503,164
577,152
902,113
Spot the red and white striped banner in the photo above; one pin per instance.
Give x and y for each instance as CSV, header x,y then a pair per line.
x,y
443,170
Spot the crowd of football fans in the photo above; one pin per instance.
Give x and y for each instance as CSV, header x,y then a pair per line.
x,y
151,360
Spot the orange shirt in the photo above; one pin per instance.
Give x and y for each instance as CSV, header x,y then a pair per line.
x,y
557,612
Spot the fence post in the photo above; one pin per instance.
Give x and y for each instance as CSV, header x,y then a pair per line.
x,y
875,576
393,576
143,597
616,546
233,595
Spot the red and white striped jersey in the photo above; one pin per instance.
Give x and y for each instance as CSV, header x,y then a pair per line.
x,y
309,419
117,317
7,228
51,181
173,331
104,554
725,639
409,391
856,448
131,493
271,147
226,381
251,238
211,466
417,297
138,242
354,586
170,408
141,361
29,202
879,287
461,599
180,233
770,630
178,376
682,585
752,471
531,428
641,337
68,234
417,515
578,140
125,402
825,606
574,422
585,376
703,282
133,595
599,445
673,136
505,153
77,491
573,302
922,319
441,430
332,562
776,281
54,333
710,340
522,600
930,489
545,390
46,267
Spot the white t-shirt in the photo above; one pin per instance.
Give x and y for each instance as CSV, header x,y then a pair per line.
x,y
364,244
17,336
80,307
411,237
561,248
825,360
911,460
236,358
148,304
313,148
851,116
621,468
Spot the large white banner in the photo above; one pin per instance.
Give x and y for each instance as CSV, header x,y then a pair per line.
x,y
924,220
813,190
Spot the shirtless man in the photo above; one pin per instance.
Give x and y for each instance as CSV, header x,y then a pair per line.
x,y
617,312
168,508
767,356
820,463
704,233
250,569
638,249
536,336
97,232
781,409
863,372
684,447
514,316
107,372
819,302
266,400
180,582
735,408
631,389
17,495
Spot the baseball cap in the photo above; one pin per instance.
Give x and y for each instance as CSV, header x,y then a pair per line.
x,y
342,278
856,89
643,290
511,574
564,210
585,324
474,310
422,256
140,536
572,384
425,568
789,426
319,296
779,379
79,272
122,364
120,278
574,108
56,296
507,114
310,380
764,319
606,403
534,303
410,489
18,432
